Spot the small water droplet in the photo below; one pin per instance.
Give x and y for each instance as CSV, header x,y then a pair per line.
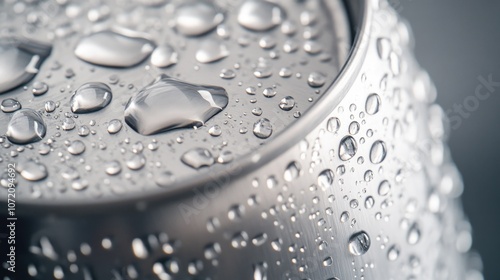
x,y
393,253
316,79
328,261
68,124
112,167
26,126
39,88
164,179
76,147
50,106
114,126
136,162
260,15
260,271
287,103
32,171
239,240
326,178
384,188
227,74
215,130
292,171
348,148
262,128
212,251
359,243
378,152
90,97
413,235
269,92
372,104
197,158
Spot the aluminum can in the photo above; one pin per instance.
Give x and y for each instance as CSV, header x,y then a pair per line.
x,y
318,151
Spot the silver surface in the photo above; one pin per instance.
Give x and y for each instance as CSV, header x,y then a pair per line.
x,y
294,208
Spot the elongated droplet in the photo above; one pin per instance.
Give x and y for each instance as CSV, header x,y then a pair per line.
x,y
359,243
260,15
197,158
10,105
378,152
108,48
211,50
32,171
348,148
90,97
197,18
325,178
372,104
164,56
26,126
20,61
168,103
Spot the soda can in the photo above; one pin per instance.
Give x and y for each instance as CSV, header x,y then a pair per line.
x,y
223,139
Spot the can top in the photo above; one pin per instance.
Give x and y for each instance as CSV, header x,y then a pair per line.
x,y
126,98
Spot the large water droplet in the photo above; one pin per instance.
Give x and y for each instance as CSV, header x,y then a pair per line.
x,y
348,148
108,48
10,105
359,243
20,62
169,103
333,124
262,128
32,171
197,158
90,97
26,126
164,56
197,18
260,15
378,152
211,50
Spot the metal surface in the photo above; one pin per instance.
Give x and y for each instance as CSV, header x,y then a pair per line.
x,y
359,187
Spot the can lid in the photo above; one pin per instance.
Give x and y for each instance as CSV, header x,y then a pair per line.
x,y
118,129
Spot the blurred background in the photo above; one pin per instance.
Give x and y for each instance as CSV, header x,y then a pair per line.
x,y
458,43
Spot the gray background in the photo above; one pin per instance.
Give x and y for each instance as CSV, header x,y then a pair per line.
x,y
457,41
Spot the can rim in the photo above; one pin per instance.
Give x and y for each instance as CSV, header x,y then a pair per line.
x,y
360,15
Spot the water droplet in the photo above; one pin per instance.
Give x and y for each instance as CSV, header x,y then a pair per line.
x,y
20,62
215,130
359,243
267,42
69,173
260,239
285,72
413,235
10,105
239,240
227,74
328,261
333,124
287,103
225,157
312,47
139,249
384,188
368,176
383,48
164,179
136,162
76,147
348,148
90,97
50,106
378,152
32,171
83,131
354,128
393,253
112,167
212,251
260,15
260,271
168,103
211,50
325,178
372,104
257,111
39,88
269,92
68,124
197,18
369,202
276,244
26,126
197,158
251,90
114,126
292,171
108,48
354,203
316,79
164,56
262,128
